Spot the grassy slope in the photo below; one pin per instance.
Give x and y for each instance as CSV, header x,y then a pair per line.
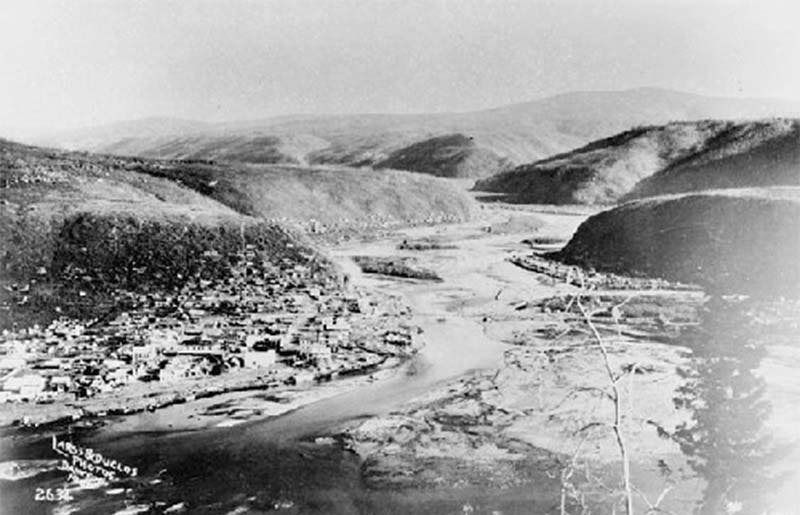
x,y
249,148
755,154
453,155
332,197
731,241
653,160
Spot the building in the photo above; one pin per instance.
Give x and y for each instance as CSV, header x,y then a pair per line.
x,y
26,386
199,347
317,353
260,359
12,362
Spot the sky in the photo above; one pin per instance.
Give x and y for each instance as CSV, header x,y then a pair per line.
x,y
78,63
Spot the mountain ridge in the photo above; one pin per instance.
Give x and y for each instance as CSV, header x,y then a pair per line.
x,y
517,133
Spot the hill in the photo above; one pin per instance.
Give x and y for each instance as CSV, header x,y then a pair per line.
x,y
765,153
517,134
604,170
323,199
252,148
729,241
454,155
79,232
653,160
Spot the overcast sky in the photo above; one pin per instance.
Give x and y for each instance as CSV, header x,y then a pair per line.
x,y
79,62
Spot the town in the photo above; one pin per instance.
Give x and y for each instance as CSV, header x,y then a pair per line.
x,y
295,325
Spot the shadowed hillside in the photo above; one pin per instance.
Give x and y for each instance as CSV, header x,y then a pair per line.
x,y
743,155
518,133
681,156
603,170
730,241
453,155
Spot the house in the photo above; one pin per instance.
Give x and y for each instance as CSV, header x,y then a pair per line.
x,y
60,383
54,363
113,364
268,343
259,359
143,352
301,378
198,347
399,338
120,376
164,338
252,339
12,362
317,353
28,386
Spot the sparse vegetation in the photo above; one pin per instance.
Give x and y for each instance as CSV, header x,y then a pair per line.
x,y
395,266
745,155
325,199
517,224
424,244
653,160
730,242
454,155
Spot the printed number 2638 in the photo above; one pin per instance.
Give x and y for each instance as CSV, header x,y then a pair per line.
x,y
52,494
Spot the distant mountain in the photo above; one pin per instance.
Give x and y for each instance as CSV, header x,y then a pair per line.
x,y
516,134
653,160
93,138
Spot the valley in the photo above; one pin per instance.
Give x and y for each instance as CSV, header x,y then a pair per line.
x,y
502,396
259,331
439,257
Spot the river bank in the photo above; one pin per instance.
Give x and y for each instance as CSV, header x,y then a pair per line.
x,y
150,397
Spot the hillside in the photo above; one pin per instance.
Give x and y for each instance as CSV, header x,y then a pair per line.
x,y
518,133
729,241
253,148
78,232
680,156
604,170
326,199
454,155
754,154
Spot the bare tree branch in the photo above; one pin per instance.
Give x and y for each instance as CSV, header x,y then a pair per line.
x,y
616,398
